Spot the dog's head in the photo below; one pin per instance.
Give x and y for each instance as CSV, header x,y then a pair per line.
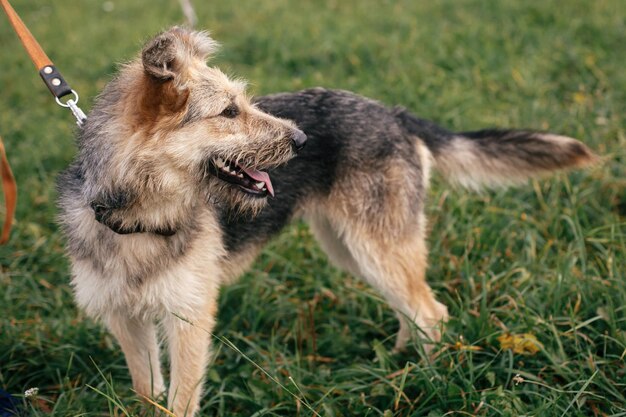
x,y
194,120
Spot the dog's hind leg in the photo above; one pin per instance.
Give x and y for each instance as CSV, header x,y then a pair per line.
x,y
395,267
332,244
139,342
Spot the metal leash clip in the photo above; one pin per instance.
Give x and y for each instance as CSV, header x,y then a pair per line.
x,y
72,105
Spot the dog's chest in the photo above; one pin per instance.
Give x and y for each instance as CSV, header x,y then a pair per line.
x,y
148,274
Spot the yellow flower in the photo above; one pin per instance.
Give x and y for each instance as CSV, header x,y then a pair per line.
x,y
525,343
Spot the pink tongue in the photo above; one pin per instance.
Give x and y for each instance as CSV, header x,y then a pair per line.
x,y
261,176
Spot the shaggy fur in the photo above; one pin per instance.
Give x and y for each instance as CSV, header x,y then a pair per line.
x,y
167,199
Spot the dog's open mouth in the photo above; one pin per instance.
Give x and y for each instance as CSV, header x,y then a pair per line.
x,y
251,181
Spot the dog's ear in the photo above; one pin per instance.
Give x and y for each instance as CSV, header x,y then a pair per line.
x,y
170,54
159,57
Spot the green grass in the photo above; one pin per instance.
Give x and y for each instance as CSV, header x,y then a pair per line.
x,y
548,258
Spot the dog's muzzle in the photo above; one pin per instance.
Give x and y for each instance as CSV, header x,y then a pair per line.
x,y
251,181
298,140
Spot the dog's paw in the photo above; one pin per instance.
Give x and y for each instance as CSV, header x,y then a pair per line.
x,y
430,324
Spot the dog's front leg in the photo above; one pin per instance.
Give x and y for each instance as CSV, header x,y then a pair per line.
x,y
138,340
189,339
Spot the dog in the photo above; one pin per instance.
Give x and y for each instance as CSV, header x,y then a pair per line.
x,y
180,179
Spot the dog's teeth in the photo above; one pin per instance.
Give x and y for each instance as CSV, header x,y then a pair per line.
x,y
220,162
260,185
240,175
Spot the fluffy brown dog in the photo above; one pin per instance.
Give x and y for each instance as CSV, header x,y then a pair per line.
x,y
167,199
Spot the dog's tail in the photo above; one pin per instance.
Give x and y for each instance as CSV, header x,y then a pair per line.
x,y
496,158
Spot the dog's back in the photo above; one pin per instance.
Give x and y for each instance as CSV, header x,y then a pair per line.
x,y
477,159
355,144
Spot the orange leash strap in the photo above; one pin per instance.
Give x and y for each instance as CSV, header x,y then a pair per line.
x,y
57,86
10,194
39,57
48,72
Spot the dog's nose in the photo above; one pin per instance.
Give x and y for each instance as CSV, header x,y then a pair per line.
x,y
298,140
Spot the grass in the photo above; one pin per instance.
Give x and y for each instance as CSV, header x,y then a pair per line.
x,y
296,337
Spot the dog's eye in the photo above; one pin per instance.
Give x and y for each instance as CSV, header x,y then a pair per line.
x,y
231,111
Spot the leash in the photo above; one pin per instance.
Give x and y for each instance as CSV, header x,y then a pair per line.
x,y
59,89
10,194
48,72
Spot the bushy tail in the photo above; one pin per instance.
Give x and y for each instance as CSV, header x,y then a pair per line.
x,y
495,158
